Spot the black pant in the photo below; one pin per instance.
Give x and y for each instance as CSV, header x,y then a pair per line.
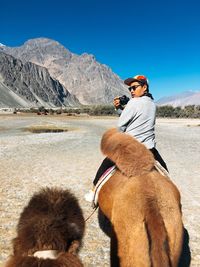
x,y
107,163
158,157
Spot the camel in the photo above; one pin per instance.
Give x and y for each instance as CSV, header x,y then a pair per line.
x,y
49,231
143,206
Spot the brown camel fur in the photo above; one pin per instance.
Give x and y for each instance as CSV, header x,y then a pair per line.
x,y
52,220
142,205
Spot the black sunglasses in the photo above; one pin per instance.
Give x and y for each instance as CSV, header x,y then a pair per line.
x,y
134,87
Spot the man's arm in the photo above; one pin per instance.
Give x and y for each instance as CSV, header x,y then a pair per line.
x,y
126,116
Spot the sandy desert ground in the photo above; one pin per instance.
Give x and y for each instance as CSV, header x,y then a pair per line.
x,y
30,161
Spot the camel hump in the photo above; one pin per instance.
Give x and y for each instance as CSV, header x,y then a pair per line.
x,y
157,235
131,157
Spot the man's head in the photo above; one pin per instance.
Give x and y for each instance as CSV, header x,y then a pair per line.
x,y
138,85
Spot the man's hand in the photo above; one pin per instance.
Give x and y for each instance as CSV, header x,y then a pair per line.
x,y
116,102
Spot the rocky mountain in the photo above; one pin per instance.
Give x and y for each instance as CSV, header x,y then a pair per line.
x,y
182,99
29,85
84,77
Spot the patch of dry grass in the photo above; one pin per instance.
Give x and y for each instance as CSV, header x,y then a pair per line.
x,y
46,129
190,125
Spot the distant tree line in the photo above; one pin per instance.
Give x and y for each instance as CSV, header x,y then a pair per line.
x,y
94,110
190,111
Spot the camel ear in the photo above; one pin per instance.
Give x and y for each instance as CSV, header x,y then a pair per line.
x,y
73,249
16,245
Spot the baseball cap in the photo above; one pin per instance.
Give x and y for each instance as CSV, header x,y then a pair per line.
x,y
137,78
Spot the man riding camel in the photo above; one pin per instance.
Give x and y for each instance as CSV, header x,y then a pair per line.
x,y
137,119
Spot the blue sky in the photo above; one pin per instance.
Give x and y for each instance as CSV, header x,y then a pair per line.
x,y
160,39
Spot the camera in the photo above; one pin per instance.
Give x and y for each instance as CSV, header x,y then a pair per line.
x,y
123,100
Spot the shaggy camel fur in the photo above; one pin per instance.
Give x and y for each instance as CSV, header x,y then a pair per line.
x,y
52,222
142,205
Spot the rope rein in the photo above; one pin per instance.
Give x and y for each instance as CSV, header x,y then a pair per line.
x,y
91,214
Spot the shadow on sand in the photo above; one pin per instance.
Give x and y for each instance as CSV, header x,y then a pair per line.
x,y
185,258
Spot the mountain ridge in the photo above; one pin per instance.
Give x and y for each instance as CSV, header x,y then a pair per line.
x,y
90,81
29,85
82,76
181,99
